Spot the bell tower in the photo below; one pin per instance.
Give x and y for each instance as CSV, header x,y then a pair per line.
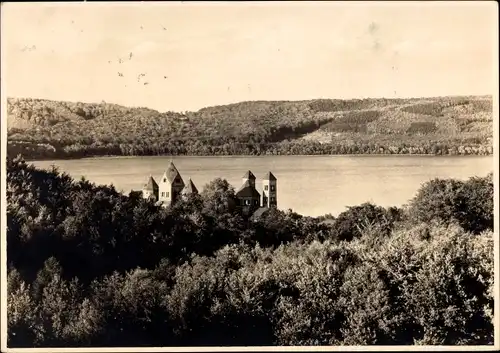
x,y
270,191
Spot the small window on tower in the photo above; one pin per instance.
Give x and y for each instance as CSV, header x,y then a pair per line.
x,y
162,194
273,188
273,199
266,187
167,193
247,202
164,180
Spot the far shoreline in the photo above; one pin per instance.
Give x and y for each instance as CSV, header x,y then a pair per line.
x,y
374,155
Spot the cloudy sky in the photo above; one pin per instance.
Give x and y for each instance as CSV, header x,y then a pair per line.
x,y
185,56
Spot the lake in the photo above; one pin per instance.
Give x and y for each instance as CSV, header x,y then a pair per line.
x,y
309,185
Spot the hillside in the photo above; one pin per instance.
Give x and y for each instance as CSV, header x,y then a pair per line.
x,y
40,128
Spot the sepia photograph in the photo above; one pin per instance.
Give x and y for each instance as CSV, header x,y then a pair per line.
x,y
249,175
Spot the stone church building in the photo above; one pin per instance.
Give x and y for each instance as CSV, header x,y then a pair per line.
x,y
171,187
251,200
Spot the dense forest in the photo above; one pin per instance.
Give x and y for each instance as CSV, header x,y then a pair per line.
x,y
43,129
89,266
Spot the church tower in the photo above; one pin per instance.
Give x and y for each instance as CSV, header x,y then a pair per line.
x,y
170,186
269,191
248,197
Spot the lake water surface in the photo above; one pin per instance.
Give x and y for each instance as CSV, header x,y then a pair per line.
x,y
309,185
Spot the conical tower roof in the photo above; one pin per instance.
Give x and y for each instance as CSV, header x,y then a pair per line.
x,y
190,188
151,185
269,176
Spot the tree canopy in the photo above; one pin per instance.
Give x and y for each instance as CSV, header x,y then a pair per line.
x,y
88,266
40,128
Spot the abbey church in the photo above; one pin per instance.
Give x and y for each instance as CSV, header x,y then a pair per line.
x,y
171,188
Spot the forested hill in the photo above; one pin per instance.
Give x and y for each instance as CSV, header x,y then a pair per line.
x,y
40,128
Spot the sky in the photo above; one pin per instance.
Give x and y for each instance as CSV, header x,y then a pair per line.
x,y
185,56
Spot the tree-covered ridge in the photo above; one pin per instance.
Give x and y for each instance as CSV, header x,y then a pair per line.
x,y
88,266
40,128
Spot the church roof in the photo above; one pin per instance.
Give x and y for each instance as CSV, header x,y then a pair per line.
x,y
249,175
247,190
151,185
190,188
269,176
171,173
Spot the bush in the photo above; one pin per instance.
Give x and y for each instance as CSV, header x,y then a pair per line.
x,y
469,203
440,286
356,220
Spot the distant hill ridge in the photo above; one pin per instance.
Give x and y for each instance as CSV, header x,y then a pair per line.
x,y
39,128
